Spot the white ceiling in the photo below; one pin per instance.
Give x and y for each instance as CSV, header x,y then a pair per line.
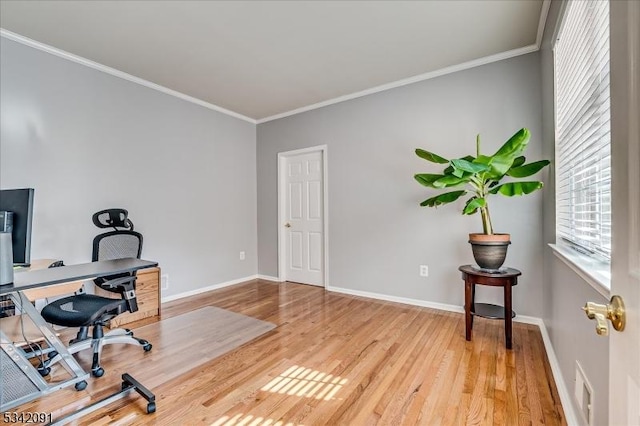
x,y
265,58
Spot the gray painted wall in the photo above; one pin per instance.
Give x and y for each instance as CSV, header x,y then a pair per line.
x,y
378,234
564,291
86,140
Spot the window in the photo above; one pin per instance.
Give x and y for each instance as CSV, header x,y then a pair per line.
x,y
583,131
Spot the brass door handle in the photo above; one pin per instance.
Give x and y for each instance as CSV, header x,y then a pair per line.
x,y
614,312
287,225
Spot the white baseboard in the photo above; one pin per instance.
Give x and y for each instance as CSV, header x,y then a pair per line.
x,y
269,278
217,286
208,288
423,303
563,391
397,299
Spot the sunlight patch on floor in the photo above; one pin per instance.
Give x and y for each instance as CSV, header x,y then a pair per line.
x,y
249,420
307,383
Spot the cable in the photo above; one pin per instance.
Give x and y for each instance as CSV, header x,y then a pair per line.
x,y
24,336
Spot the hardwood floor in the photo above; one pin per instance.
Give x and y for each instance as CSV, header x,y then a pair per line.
x,y
338,360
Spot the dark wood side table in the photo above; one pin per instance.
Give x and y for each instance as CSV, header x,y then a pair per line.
x,y
505,279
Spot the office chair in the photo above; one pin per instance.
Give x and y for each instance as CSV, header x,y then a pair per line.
x,y
89,310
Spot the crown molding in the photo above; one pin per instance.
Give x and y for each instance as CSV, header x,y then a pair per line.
x,y
116,73
388,86
544,13
546,4
415,79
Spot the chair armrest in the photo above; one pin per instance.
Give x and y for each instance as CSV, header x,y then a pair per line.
x,y
119,284
126,286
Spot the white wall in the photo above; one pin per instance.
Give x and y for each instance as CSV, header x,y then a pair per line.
x,y
378,233
86,141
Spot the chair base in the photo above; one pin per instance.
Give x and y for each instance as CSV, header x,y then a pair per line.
x,y
96,342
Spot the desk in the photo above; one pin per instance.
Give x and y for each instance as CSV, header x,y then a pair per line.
x,y
48,291
20,331
40,292
506,279
84,271
21,382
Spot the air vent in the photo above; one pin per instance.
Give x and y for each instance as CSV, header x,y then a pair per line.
x,y
584,395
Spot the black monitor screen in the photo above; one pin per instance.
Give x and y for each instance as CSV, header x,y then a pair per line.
x,y
20,203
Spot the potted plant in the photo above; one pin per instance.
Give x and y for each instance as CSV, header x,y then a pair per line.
x,y
482,176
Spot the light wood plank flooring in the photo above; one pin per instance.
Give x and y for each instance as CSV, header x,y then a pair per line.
x,y
337,360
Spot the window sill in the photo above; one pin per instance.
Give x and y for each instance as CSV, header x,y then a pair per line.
x,y
597,274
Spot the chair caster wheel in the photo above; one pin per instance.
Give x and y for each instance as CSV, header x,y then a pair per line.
x,y
99,372
81,385
44,371
147,347
151,407
52,354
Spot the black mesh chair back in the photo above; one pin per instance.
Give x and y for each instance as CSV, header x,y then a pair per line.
x,y
117,245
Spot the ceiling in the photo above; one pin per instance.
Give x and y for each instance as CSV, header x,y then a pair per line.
x,y
262,59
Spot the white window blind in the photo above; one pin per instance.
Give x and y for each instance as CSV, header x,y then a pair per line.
x,y
583,131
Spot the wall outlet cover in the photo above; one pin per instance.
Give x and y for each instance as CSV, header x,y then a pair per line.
x,y
424,270
164,282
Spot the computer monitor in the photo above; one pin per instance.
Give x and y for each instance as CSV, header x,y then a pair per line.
x,y
20,203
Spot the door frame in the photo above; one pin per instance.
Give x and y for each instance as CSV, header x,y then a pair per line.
x,y
282,157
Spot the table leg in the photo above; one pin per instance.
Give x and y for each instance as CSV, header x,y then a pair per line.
x,y
473,302
507,313
468,302
35,382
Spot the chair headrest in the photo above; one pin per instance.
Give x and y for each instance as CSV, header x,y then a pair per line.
x,y
112,218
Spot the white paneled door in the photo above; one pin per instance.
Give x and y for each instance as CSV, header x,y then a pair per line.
x,y
624,348
303,218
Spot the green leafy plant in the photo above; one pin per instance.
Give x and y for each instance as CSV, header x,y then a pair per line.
x,y
482,175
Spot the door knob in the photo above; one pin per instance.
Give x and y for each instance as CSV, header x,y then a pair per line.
x,y
614,312
287,225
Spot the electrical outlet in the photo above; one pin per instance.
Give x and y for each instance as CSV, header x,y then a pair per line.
x,y
242,255
164,282
424,271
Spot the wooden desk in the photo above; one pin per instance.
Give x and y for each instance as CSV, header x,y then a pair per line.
x,y
21,382
42,292
506,280
14,326
147,293
49,291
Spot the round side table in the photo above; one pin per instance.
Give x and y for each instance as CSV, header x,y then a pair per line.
x,y
505,279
